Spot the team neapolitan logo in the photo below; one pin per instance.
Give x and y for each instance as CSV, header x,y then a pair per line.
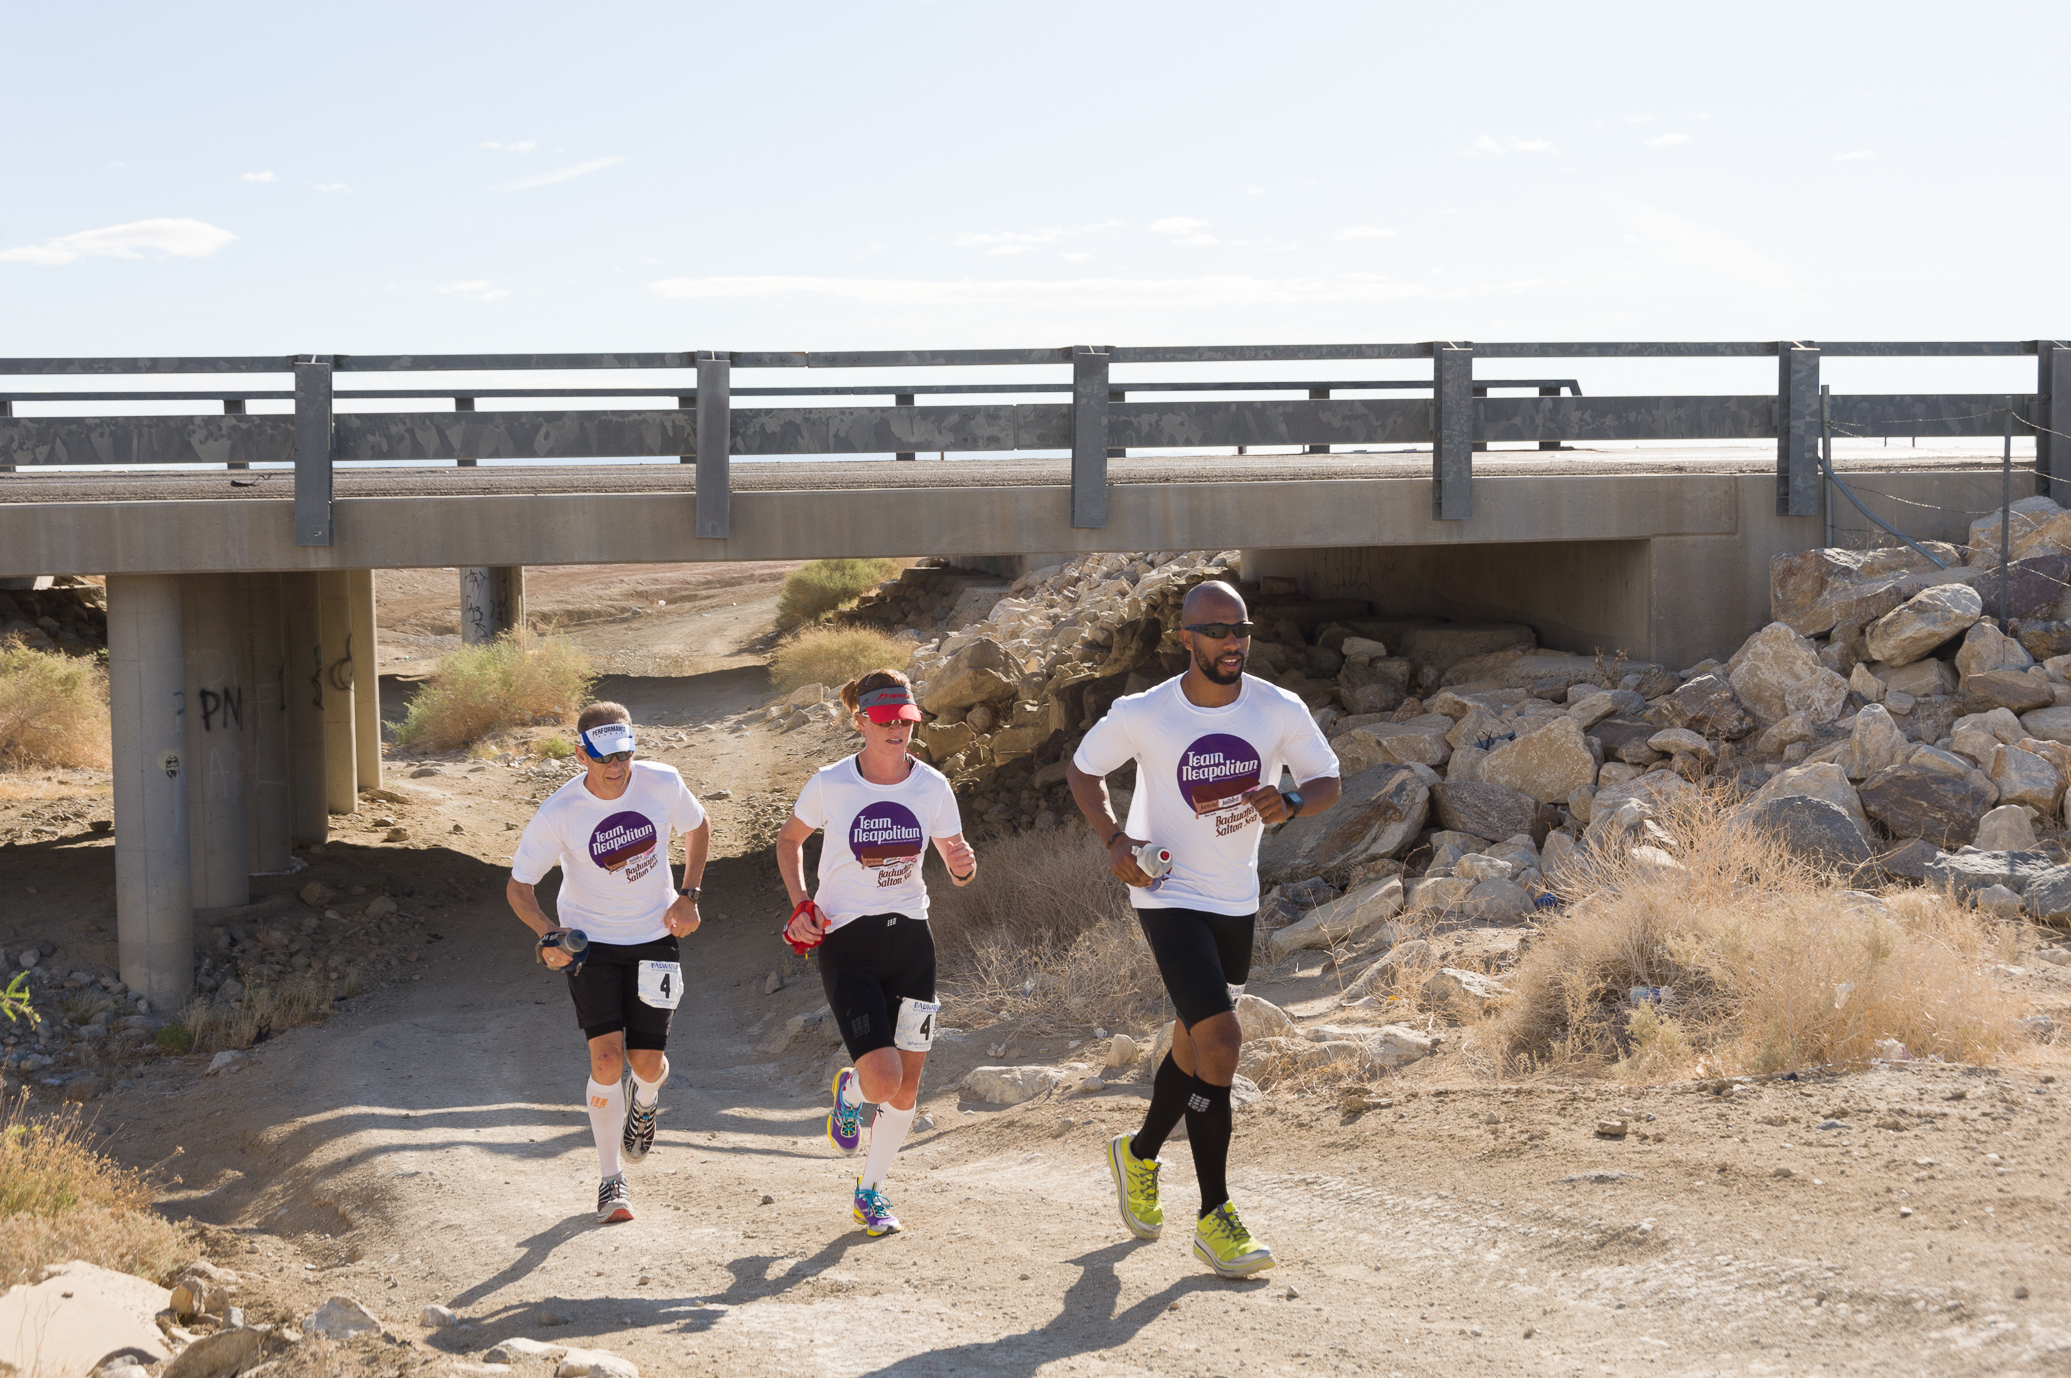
x,y
625,842
1215,772
888,839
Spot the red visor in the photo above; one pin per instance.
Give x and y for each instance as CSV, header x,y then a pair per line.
x,y
892,703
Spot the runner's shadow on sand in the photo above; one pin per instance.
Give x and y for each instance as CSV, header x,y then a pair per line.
x,y
1086,1322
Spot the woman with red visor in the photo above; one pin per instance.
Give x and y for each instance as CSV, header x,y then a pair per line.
x,y
880,809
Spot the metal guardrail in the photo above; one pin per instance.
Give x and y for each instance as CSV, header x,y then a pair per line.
x,y
1097,421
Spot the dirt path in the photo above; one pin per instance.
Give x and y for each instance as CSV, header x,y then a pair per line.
x,y
428,1146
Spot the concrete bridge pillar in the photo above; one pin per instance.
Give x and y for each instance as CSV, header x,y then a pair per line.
x,y
492,602
366,683
154,906
341,762
215,629
302,640
269,801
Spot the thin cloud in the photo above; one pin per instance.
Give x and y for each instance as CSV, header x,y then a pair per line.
x,y
526,146
138,239
1212,292
1487,144
1183,230
258,177
1364,232
332,186
1856,156
1006,242
562,174
474,291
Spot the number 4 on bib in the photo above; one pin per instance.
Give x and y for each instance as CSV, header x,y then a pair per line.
x,y
916,1028
661,984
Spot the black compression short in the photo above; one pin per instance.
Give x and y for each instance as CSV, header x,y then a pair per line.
x,y
607,992
1200,955
867,966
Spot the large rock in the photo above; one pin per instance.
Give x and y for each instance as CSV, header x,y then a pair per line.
x,y
2025,778
1261,1018
2006,828
1630,740
75,1316
341,1318
1459,987
1914,860
1358,750
1825,780
1486,809
1548,763
1923,679
1442,894
2048,724
1970,870
2037,524
1346,919
1437,649
1769,663
1923,622
1707,706
1420,741
982,672
1874,742
1813,590
1396,1046
1010,1085
1985,647
1813,829
1913,801
1499,900
1404,964
227,1352
2014,690
2048,896
1379,814
1819,696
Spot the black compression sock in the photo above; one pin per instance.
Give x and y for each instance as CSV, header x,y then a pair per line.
x,y
1169,1092
1208,1135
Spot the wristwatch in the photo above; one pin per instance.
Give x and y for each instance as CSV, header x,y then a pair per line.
x,y
692,893
1294,801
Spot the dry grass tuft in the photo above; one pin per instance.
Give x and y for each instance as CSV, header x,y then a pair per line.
x,y
53,709
819,587
265,1009
1773,965
60,1200
1046,935
517,679
833,656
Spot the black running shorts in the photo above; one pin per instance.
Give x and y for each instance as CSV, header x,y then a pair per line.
x,y
607,992
1200,955
867,966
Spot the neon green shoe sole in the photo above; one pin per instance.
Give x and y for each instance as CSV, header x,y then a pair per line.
x,y
1136,1189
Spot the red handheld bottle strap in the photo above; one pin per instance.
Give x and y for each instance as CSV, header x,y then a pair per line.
x,y
785,932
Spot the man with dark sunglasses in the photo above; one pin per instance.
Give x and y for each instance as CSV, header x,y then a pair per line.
x,y
1209,746
608,830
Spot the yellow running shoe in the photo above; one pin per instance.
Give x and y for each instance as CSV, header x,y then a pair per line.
x,y
1222,1242
1136,1188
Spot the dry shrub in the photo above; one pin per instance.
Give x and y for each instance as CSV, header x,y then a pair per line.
x,y
53,709
833,656
265,1008
819,587
61,1200
1772,963
517,679
1045,934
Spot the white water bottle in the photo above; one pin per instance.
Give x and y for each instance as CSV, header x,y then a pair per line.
x,y
1154,862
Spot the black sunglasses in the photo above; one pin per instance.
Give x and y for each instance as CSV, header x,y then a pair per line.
x,y
616,758
1221,631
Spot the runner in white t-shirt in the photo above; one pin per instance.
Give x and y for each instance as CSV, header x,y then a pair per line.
x,y
1209,746
608,830
880,809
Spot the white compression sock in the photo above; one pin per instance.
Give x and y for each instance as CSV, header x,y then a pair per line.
x,y
852,1090
607,1105
646,1093
887,1132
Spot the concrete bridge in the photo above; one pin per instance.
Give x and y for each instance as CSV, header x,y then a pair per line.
x,y
240,547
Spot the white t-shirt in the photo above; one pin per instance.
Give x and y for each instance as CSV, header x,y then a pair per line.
x,y
613,853
877,837
1193,765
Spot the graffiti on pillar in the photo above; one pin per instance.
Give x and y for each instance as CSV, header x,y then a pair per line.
x,y
485,603
170,764
340,673
316,677
222,711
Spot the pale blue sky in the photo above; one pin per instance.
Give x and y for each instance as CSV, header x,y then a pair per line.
x,y
442,177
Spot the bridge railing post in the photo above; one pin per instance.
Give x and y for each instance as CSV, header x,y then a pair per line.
x,y
464,404
6,410
1319,395
714,444
1798,486
903,399
314,448
1089,393
1553,391
2053,423
234,406
688,403
1452,431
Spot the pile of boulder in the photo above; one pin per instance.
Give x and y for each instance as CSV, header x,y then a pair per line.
x,y
68,614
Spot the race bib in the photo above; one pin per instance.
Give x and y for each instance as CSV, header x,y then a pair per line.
x,y
916,1030
661,984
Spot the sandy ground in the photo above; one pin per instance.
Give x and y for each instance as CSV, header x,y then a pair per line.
x,y
428,1145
